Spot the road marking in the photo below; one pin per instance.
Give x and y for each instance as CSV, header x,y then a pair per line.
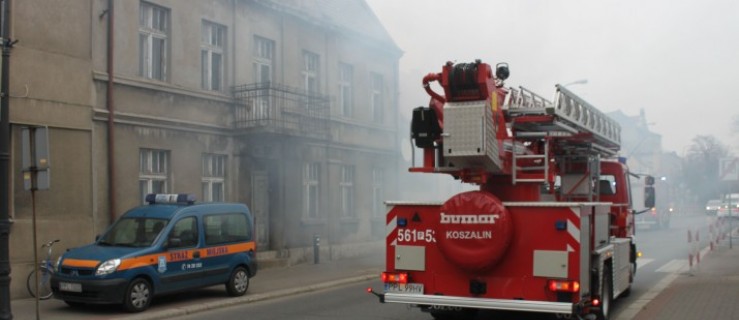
x,y
674,266
643,262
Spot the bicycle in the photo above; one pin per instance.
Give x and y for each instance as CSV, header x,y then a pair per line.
x,y
46,269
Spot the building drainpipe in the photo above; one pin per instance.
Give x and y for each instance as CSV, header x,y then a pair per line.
x,y
5,222
111,114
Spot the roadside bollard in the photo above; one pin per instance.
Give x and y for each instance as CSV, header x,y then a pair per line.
x,y
316,247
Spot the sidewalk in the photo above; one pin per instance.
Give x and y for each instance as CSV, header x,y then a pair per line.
x,y
710,292
268,284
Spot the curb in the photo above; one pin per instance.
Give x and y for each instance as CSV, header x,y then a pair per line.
x,y
189,310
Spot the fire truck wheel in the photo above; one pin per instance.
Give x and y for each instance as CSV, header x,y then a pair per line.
x,y
606,294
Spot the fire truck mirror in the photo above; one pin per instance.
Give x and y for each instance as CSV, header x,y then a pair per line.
x,y
649,197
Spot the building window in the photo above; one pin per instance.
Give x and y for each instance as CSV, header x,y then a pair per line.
x,y
153,172
264,52
153,29
346,73
377,97
310,71
214,177
378,196
212,48
311,174
347,191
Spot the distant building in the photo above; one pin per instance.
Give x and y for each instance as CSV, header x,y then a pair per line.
x,y
289,106
644,155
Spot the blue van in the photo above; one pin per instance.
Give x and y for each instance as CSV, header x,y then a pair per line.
x,y
169,245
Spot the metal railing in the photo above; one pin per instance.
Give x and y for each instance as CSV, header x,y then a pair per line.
x,y
275,108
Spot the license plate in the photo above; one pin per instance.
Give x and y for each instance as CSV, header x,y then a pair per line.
x,y
71,287
409,288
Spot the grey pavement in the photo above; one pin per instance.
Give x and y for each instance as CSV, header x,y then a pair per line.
x,y
710,291
268,284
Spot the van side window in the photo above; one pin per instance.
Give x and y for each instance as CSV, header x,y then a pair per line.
x,y
187,231
225,228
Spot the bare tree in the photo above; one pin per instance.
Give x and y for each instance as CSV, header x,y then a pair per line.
x,y
701,167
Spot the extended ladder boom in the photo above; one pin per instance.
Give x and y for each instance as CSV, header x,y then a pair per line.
x,y
571,115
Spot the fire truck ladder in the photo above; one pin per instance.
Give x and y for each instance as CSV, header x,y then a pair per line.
x,y
534,117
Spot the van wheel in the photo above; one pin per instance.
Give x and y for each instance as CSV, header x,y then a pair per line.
x,y
238,282
138,295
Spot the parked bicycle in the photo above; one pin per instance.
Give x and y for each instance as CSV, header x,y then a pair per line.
x,y
45,269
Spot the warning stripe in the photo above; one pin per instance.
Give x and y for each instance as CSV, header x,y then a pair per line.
x,y
573,229
79,263
170,256
391,227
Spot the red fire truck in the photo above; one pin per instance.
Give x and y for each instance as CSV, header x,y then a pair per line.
x,y
551,228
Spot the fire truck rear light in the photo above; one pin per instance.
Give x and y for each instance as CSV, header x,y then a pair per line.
x,y
564,286
596,302
394,277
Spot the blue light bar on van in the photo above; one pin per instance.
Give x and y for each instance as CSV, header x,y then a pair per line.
x,y
184,198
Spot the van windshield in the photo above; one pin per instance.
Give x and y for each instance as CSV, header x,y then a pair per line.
x,y
133,232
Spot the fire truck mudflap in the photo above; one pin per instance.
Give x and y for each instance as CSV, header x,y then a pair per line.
x,y
532,260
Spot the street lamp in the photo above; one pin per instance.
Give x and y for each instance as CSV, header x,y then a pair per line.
x,y
581,81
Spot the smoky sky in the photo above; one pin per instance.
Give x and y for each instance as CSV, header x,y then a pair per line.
x,y
676,60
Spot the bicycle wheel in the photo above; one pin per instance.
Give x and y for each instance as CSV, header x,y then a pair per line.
x,y
44,283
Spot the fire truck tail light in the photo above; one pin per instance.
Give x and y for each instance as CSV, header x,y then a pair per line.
x,y
596,302
564,286
394,277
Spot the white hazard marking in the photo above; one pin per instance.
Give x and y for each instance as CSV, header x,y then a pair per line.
x,y
570,248
674,266
573,231
390,230
643,262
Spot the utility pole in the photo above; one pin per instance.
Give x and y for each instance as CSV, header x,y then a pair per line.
x,y
5,313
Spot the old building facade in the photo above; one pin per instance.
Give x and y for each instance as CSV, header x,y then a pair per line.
x,y
288,106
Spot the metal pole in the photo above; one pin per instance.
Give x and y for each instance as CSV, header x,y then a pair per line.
x,y
316,249
34,172
35,245
731,224
5,313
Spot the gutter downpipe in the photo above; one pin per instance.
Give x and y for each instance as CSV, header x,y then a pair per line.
x,y
5,222
111,115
